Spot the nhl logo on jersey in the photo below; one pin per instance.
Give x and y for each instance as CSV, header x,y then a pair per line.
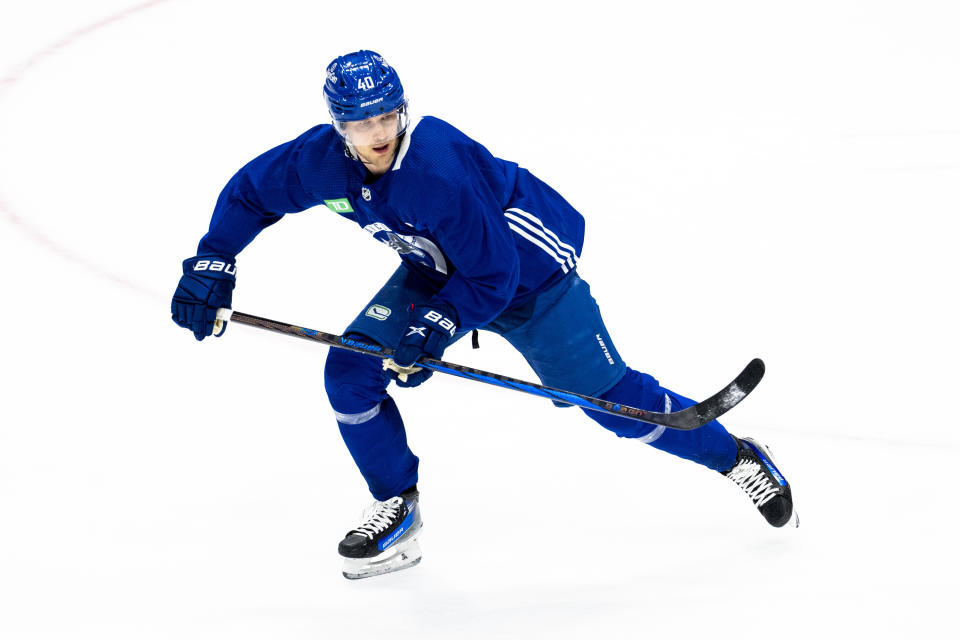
x,y
365,192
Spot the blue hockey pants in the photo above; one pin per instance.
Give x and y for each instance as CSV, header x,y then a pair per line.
x,y
560,334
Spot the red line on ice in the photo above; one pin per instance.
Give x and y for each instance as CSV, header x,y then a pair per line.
x,y
6,84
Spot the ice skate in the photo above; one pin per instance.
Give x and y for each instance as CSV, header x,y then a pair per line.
x,y
386,539
756,472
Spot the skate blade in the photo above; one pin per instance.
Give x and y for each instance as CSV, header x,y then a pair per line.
x,y
409,555
794,520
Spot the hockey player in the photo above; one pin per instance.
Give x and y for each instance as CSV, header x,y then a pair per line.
x,y
483,244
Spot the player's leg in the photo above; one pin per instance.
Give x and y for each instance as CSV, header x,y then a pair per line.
x,y
710,445
369,421
356,386
386,538
562,336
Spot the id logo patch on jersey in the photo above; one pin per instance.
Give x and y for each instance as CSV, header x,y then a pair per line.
x,y
378,312
340,205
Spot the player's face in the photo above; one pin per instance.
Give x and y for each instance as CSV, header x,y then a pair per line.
x,y
372,132
375,139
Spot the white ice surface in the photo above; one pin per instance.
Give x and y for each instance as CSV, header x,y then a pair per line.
x,y
759,179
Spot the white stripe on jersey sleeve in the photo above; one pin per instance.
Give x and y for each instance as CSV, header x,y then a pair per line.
x,y
540,232
539,222
550,251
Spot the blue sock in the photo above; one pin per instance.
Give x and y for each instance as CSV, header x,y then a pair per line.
x,y
710,445
379,447
370,422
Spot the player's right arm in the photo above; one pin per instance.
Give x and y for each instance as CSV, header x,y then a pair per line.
x,y
257,196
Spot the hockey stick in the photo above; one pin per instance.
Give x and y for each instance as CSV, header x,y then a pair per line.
x,y
685,420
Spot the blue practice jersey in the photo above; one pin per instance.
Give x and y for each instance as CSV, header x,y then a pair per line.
x,y
485,232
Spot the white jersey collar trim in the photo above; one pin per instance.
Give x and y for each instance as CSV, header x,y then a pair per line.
x,y
405,144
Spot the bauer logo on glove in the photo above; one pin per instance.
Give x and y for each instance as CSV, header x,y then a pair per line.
x,y
444,323
215,265
432,330
205,286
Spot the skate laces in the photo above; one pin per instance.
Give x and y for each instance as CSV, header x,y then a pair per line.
x,y
750,476
379,516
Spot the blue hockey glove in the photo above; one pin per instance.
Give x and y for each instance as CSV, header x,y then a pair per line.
x,y
430,331
205,286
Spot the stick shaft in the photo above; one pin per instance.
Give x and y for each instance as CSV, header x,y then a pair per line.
x,y
689,418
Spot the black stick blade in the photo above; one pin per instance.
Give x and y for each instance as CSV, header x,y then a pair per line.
x,y
720,402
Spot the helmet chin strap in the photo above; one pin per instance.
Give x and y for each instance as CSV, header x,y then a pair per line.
x,y
350,151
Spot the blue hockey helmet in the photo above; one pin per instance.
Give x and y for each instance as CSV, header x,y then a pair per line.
x,y
362,85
